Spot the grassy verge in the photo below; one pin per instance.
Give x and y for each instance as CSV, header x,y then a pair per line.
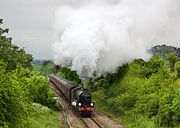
x,y
136,121
42,117
130,120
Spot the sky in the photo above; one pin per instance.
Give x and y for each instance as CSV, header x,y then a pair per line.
x,y
30,24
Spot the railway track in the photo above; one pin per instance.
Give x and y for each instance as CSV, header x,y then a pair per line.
x,y
101,126
91,123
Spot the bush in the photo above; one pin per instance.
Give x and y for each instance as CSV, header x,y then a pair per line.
x,y
175,108
13,101
177,67
38,91
70,75
172,58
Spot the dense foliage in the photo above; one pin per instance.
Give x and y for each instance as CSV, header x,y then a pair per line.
x,y
70,75
20,86
38,90
147,88
177,68
172,58
13,101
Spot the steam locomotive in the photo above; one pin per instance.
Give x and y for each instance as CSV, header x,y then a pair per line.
x,y
79,98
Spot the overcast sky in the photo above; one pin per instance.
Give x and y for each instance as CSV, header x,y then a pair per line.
x,y
30,24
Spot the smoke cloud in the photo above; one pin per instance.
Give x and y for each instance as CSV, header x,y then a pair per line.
x,y
100,35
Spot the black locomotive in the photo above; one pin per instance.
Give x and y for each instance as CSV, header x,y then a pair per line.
x,y
79,98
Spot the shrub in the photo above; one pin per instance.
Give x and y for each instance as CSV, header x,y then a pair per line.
x,y
38,90
13,101
177,67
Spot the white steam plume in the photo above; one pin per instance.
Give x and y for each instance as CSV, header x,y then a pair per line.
x,y
100,35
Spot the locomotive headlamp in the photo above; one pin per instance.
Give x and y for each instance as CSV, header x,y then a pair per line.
x,y
79,104
92,104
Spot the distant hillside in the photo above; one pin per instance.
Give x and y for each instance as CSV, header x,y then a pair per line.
x,y
40,62
163,50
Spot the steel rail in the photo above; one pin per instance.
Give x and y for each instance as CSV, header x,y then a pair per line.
x,y
96,122
85,122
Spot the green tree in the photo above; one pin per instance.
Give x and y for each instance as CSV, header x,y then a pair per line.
x,y
162,50
172,58
48,67
70,75
11,53
177,67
